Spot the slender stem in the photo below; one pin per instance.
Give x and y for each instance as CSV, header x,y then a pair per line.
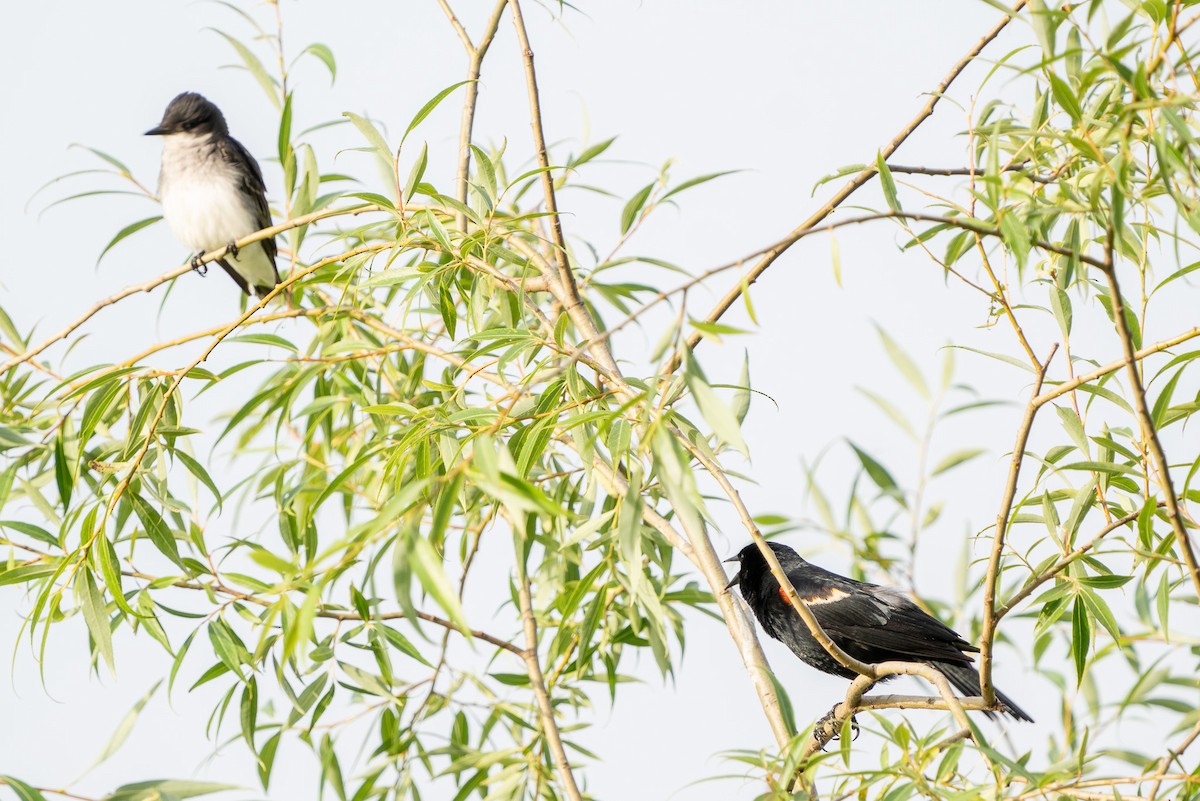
x,y
539,138
1002,297
1062,563
1020,167
458,26
570,298
475,56
284,314
1170,757
1112,367
546,710
992,580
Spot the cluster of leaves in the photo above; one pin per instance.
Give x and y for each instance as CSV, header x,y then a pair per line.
x,y
426,400
441,393
1072,198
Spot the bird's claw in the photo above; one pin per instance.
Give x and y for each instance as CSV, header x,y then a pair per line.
x,y
833,724
232,248
198,265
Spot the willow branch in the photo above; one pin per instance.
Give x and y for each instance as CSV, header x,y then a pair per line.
x,y
152,284
1112,367
850,187
1170,757
1056,568
59,791
539,139
135,464
1020,167
475,56
567,291
285,314
992,579
1149,431
546,710
854,701
458,26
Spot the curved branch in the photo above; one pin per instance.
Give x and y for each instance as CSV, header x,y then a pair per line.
x,y
831,724
992,580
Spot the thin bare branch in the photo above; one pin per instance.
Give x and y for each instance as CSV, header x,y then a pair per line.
x,y
475,56
458,27
992,579
1171,756
325,612
1112,367
967,171
567,291
831,724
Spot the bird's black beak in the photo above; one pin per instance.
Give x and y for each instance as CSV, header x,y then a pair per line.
x,y
156,131
736,576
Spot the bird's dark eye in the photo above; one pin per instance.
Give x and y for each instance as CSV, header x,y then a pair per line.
x,y
187,126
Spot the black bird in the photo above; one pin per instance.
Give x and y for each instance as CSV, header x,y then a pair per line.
x,y
212,192
869,622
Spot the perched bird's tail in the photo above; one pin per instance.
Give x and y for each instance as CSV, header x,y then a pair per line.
x,y
252,269
966,680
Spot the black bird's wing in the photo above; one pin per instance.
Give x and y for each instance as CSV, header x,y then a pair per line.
x,y
876,624
252,186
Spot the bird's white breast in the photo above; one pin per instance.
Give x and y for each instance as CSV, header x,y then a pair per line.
x,y
199,194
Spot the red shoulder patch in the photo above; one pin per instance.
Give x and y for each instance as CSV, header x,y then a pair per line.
x,y
783,594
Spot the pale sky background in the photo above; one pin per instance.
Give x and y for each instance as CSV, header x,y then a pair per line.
x,y
786,91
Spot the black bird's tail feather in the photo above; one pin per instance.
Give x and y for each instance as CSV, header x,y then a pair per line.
x,y
966,680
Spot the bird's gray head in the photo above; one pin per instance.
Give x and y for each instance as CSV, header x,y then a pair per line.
x,y
752,564
190,113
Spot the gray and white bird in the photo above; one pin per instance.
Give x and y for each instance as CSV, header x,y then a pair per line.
x,y
212,192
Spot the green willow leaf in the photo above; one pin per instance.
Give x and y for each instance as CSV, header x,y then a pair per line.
x,y
95,614
887,183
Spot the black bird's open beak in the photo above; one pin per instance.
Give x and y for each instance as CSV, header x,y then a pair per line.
x,y
156,131
736,576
